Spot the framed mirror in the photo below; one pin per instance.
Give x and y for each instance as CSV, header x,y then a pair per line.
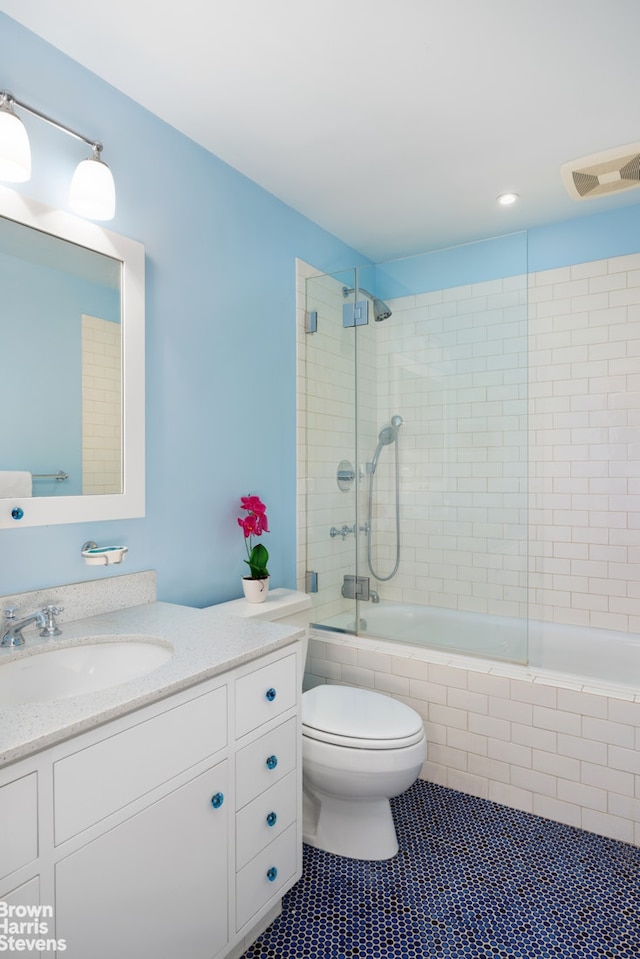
x,y
72,331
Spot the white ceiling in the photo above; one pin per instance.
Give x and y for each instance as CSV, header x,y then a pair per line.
x,y
394,124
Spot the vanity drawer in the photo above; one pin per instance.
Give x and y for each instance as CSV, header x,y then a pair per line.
x,y
265,761
264,819
104,777
19,818
264,876
265,693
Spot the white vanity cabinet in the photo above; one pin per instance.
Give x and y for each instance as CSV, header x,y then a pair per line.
x,y
155,885
172,830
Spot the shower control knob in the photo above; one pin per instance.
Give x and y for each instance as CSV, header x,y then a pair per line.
x,y
343,531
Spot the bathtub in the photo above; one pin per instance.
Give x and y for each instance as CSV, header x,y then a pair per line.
x,y
552,728
598,655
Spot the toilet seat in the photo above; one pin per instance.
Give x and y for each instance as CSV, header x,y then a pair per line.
x,y
381,744
359,718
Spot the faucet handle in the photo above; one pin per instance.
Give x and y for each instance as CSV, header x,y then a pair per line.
x,y
50,628
10,612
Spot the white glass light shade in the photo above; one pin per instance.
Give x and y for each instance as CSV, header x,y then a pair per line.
x,y
15,153
93,193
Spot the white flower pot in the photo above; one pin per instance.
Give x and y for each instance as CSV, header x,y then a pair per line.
x,y
255,590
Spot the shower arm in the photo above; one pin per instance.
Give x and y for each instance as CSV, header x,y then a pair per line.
x,y
381,309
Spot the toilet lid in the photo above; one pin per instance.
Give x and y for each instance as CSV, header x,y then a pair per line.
x,y
359,718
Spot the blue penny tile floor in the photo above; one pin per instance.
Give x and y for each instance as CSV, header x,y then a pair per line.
x,y
472,880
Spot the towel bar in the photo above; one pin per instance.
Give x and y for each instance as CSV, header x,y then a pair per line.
x,y
59,476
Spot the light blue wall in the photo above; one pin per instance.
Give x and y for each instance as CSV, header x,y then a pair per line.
x,y
220,296
220,329
614,233
585,238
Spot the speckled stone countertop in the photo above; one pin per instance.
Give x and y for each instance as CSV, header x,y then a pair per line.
x,y
205,644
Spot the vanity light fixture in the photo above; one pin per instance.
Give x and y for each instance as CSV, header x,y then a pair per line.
x,y
15,152
92,194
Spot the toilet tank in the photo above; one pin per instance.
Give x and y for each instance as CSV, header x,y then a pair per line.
x,y
287,606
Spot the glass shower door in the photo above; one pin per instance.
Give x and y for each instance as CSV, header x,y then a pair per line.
x,y
452,363
416,449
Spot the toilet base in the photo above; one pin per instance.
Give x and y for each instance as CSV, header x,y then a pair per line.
x,y
362,830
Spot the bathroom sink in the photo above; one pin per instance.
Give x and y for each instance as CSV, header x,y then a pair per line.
x,y
59,673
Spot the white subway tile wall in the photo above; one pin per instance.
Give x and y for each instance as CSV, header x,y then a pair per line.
x,y
520,465
520,483
101,406
584,412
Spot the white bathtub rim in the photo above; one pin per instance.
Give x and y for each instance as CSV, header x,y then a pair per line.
x,y
477,664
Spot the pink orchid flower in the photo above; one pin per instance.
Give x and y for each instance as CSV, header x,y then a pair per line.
x,y
255,524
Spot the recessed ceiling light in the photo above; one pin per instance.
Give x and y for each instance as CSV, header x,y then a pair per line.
x,y
506,199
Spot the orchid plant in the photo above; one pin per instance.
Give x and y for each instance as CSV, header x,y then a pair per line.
x,y
255,523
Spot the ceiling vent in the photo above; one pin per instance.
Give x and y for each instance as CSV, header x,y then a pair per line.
x,y
603,173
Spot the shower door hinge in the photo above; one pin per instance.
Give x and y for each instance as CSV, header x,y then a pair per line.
x,y
355,314
311,321
355,587
311,581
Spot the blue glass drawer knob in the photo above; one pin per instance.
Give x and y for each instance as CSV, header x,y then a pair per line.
x,y
272,819
217,800
272,762
271,694
272,874
17,513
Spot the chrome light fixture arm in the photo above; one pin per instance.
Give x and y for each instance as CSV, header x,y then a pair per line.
x,y
7,97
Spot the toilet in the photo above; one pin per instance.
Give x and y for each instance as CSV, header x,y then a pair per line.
x,y
359,749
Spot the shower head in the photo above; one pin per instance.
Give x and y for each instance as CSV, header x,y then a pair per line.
x,y
380,309
390,433
387,435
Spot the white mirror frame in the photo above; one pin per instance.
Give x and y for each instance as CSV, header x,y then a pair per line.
x,y
51,510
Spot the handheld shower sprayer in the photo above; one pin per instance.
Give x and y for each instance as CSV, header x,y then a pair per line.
x,y
387,435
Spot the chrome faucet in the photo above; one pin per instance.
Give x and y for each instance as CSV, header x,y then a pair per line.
x,y
44,618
